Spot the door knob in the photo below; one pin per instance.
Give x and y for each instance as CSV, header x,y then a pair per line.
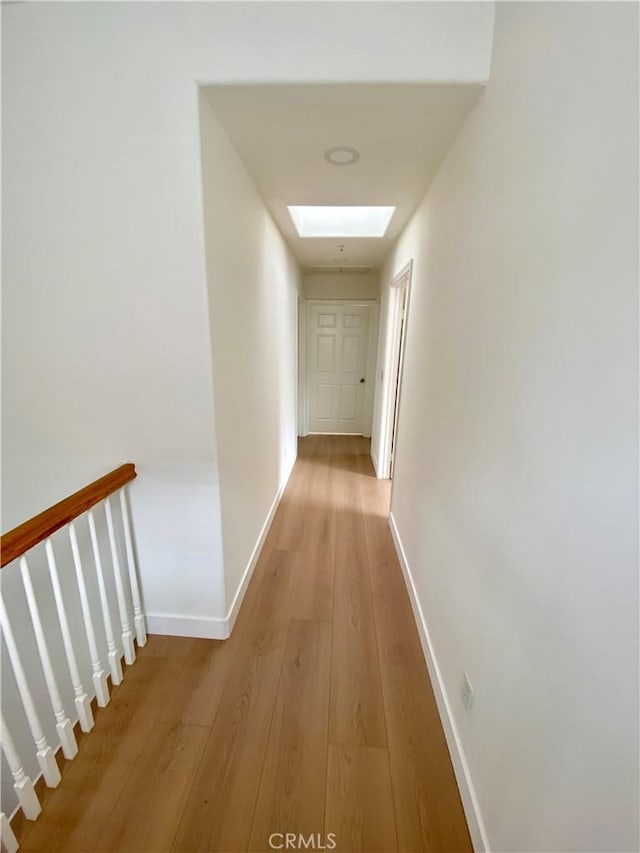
x,y
361,380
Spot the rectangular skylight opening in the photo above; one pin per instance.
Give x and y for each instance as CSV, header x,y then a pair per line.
x,y
326,221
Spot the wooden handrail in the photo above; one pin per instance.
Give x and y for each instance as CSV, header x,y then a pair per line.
x,y
19,540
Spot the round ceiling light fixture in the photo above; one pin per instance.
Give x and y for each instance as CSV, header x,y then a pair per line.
x,y
341,155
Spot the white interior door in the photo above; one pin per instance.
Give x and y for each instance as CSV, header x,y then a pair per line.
x,y
337,348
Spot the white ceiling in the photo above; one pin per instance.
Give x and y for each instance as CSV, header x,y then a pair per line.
x,y
402,133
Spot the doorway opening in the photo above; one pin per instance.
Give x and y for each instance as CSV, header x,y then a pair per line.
x,y
399,295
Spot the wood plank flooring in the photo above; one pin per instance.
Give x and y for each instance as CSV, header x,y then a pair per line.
x,y
315,717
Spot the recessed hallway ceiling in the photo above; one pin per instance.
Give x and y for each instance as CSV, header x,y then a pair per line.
x,y
400,131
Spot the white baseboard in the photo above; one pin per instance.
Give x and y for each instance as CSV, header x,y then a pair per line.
x,y
179,625
255,554
357,434
460,766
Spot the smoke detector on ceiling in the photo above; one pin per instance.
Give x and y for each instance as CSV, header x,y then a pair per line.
x,y
341,155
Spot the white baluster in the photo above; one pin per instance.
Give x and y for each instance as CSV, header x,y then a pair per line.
x,y
45,755
82,703
127,636
138,618
63,723
9,841
114,658
21,782
99,678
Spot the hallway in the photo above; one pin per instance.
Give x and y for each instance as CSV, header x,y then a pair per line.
x,y
315,717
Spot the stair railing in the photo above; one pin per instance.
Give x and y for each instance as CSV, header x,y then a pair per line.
x,y
107,639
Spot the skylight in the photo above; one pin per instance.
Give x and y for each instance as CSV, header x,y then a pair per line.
x,y
325,221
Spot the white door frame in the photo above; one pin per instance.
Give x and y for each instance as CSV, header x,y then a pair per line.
x,y
393,368
303,420
372,359
372,353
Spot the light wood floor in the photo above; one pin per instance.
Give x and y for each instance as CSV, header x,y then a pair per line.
x,y
315,717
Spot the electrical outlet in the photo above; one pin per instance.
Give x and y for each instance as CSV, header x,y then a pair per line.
x,y
466,693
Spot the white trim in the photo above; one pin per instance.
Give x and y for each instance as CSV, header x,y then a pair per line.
x,y
255,554
303,426
372,359
338,433
393,361
179,625
460,766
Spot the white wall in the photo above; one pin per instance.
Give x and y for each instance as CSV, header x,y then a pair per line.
x,y
107,355
253,282
106,346
516,488
105,334
341,285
